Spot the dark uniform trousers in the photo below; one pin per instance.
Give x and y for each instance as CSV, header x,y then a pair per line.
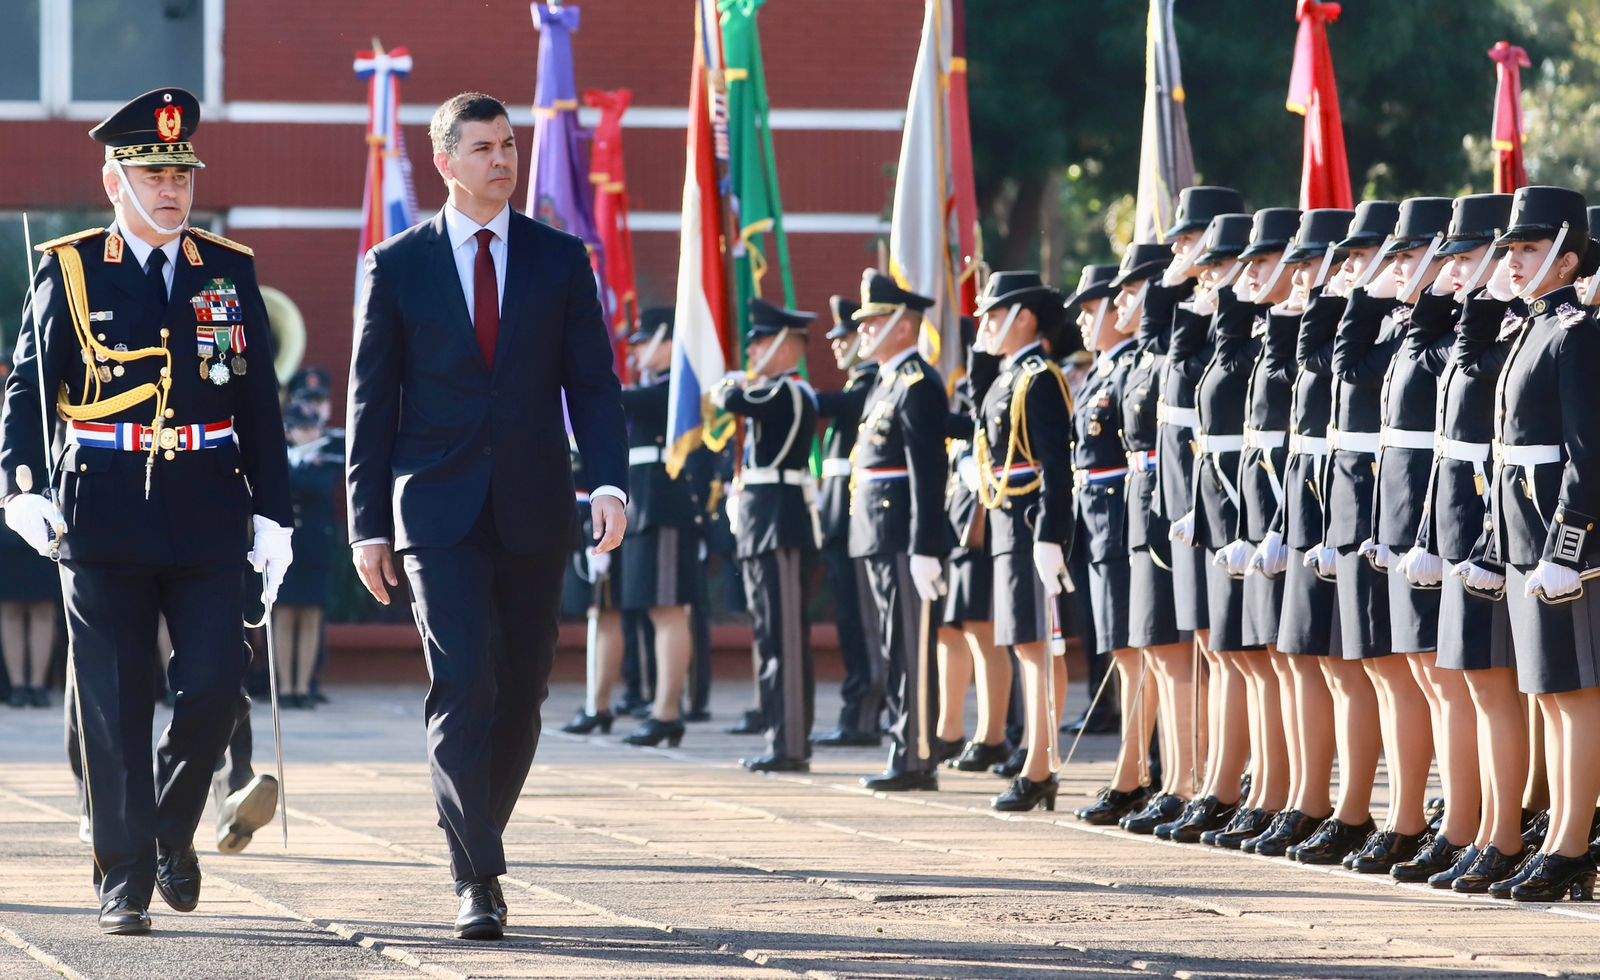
x,y
774,587
900,622
856,614
488,616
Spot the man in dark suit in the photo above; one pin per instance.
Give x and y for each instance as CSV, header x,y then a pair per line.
x,y
470,328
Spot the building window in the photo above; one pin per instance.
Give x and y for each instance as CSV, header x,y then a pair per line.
x,y
19,53
123,47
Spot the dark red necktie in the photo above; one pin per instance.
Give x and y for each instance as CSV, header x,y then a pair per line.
x,y
485,298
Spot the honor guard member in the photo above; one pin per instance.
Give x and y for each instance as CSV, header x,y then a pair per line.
x,y
855,612
597,580
1023,451
660,557
151,340
897,520
773,509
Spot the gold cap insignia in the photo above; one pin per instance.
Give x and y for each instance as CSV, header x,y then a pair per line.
x,y
169,123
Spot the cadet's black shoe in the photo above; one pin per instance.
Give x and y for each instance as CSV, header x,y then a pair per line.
x,y
1206,813
1465,859
479,916
942,751
1489,867
1102,723
1163,808
1024,794
1292,828
41,697
655,731
1436,855
241,814
901,782
1247,825
1383,851
750,723
697,716
776,763
19,698
178,878
1249,846
124,917
1012,767
1558,877
1534,829
585,723
1525,868
1433,812
629,706
843,737
1112,805
1332,841
978,756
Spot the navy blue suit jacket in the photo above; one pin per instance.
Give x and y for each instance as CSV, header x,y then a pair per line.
x,y
434,434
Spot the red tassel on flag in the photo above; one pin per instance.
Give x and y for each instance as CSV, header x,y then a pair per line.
x,y
1313,93
1509,134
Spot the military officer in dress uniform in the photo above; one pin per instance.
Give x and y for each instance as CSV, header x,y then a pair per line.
x,y
774,516
897,521
855,612
152,341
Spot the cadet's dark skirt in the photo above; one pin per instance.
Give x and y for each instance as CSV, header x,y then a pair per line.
x,y
1189,578
970,577
1108,597
1363,607
1474,632
26,575
659,566
1019,601
1309,624
303,585
1225,607
1152,620
1557,645
1413,615
1263,605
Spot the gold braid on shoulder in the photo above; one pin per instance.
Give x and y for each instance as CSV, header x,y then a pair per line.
x,y
995,490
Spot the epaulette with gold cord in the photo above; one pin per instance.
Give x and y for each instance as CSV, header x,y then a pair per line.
x,y
76,236
217,239
910,373
995,487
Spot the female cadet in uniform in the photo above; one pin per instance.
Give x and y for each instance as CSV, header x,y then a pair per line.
x,y
314,473
30,592
1545,501
602,590
1023,452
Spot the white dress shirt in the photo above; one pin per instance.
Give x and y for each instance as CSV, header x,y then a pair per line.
x,y
141,253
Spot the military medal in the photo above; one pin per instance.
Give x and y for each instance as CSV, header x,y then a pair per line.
x,y
219,331
240,366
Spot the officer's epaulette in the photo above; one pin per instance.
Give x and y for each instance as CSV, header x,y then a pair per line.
x,y
1035,363
217,239
76,236
910,373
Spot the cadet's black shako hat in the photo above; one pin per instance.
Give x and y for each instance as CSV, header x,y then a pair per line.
x,y
1226,237
1271,230
881,295
1142,261
1373,222
843,309
1475,221
1319,229
1537,214
651,319
1095,283
1420,219
1006,289
1198,205
154,130
767,320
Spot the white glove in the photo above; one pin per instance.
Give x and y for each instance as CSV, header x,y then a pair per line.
x,y
37,520
271,555
1271,556
1182,530
1379,554
1051,565
1477,578
600,565
1549,581
1422,568
1233,557
1204,302
967,470
1323,560
927,574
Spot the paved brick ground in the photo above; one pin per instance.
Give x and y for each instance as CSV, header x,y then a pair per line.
x,y
643,863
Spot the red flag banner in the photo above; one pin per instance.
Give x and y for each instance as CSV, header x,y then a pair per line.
x,y
1313,93
1509,134
611,217
963,184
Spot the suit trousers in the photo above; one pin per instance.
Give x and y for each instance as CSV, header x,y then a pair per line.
x,y
774,587
856,614
112,610
910,662
489,619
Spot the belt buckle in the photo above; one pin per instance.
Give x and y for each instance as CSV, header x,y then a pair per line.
x,y
167,438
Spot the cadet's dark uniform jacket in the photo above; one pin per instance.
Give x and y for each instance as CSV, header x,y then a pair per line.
x,y
1186,349
1099,461
1301,520
775,506
900,469
1146,520
1410,407
655,499
1044,513
1268,397
844,408
1220,400
1366,341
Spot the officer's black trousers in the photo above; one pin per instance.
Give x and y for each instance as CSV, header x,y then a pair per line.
x,y
856,614
489,620
111,624
774,589
902,622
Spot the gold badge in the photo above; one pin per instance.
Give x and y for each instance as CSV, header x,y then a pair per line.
x,y
168,439
1539,307
191,251
169,123
113,252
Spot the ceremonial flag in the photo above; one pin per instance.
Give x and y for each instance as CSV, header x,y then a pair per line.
x,y
611,218
1313,93
969,240
558,182
1166,162
756,203
389,203
1509,134
700,349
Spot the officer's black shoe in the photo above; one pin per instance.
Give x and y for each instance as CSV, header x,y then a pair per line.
x,y
1534,829
1332,841
751,723
1384,850
124,917
1012,767
19,698
1206,813
1024,794
843,737
1161,809
41,697
585,723
1558,877
1437,855
776,763
1465,859
654,731
901,782
1247,826
178,878
241,814
978,756
1489,867
479,916
1101,723
1112,805
942,751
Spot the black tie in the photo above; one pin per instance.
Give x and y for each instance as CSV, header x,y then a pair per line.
x,y
155,277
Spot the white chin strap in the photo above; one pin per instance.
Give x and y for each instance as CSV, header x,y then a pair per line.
x,y
1005,330
127,187
852,357
1528,288
1132,311
1261,294
864,350
1324,267
1371,270
650,350
1483,267
760,367
1414,287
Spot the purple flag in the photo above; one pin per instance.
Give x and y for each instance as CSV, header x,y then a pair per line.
x,y
559,192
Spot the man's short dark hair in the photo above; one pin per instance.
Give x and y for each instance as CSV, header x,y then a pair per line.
x,y
445,129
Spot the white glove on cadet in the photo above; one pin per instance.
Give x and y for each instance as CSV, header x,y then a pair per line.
x,y
599,565
1051,565
967,470
36,519
271,555
927,574
1550,581
1323,560
1271,556
1233,557
1422,568
1377,553
1477,578
1182,530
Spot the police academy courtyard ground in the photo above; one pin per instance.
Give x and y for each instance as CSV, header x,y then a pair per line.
x,y
644,863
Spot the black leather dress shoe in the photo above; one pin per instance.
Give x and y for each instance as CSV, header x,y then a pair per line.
x,y
1384,850
978,756
1247,825
1206,813
1291,829
1558,877
1331,841
241,814
1012,767
1112,805
178,878
1488,868
1525,868
752,722
479,916
1161,809
124,917
499,899
1533,830
1437,855
776,763
1248,845
1102,723
1024,794
941,751
654,731
1465,859
697,716
841,738
901,782
585,723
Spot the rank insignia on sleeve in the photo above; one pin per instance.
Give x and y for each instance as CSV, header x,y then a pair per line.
x,y
1570,316
113,252
1569,542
